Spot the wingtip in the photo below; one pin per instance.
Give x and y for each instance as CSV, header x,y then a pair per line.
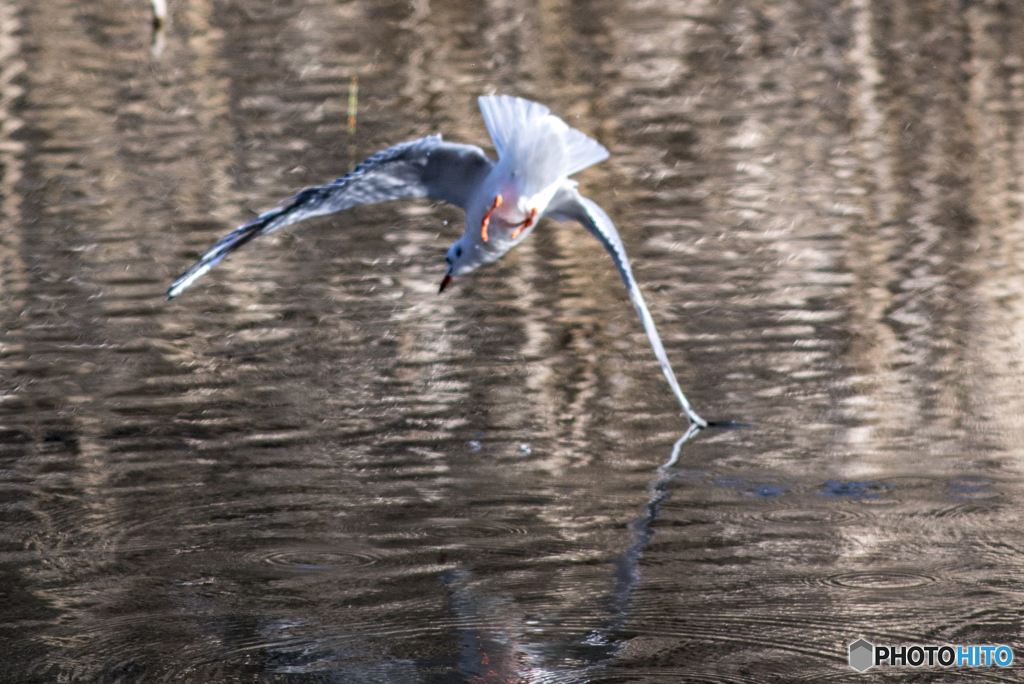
x,y
176,287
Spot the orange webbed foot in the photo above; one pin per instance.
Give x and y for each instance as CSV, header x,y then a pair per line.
x,y
526,224
487,217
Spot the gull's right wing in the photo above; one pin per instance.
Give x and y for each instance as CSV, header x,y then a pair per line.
x,y
569,205
428,167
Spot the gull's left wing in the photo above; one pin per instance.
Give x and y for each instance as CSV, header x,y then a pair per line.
x,y
569,205
428,167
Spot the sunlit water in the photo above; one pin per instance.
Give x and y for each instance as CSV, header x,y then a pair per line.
x,y
312,468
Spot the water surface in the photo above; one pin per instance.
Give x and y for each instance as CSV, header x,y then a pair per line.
x,y
312,468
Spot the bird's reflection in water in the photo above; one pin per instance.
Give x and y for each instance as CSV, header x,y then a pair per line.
x,y
498,642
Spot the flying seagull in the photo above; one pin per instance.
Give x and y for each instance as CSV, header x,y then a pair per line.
x,y
503,200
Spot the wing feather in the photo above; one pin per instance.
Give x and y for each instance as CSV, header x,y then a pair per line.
x,y
569,205
428,167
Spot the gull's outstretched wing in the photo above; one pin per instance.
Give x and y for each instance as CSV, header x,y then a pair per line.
x,y
428,167
568,204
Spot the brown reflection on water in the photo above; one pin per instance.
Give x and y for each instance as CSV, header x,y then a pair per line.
x,y
914,249
996,103
311,467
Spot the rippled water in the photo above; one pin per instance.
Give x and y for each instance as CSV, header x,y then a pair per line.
x,y
312,468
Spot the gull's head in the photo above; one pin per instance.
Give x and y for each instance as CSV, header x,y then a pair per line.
x,y
459,259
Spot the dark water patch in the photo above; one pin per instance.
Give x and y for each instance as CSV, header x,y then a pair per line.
x,y
867,491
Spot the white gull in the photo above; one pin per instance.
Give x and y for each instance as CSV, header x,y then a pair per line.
x,y
537,152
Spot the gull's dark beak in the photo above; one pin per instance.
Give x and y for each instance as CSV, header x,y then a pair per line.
x,y
444,283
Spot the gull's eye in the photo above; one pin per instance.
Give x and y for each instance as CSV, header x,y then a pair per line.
x,y
458,252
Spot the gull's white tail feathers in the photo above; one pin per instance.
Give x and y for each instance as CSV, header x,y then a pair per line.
x,y
506,116
529,136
